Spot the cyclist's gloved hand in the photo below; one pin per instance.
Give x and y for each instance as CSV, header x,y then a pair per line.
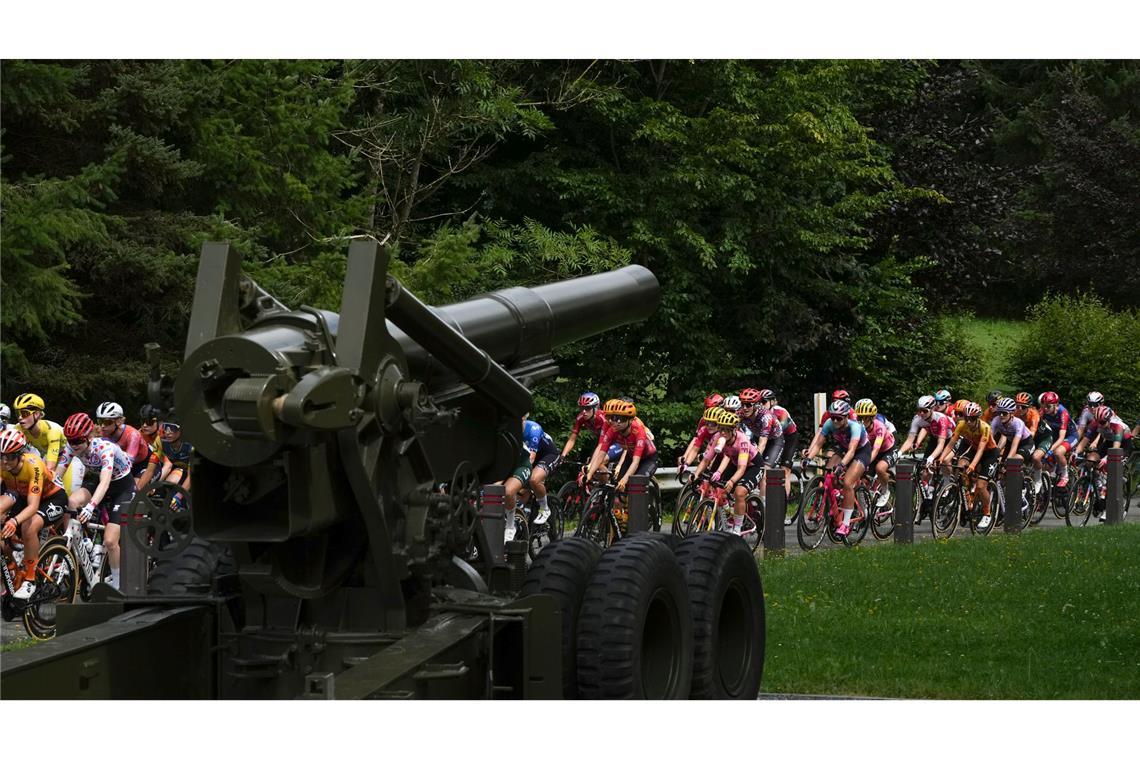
x,y
930,462
86,513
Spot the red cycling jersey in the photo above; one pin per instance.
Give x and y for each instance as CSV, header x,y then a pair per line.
x,y
636,441
597,423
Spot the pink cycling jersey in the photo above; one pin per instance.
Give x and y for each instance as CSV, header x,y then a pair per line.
x,y
764,425
99,455
878,430
938,424
638,441
738,446
786,421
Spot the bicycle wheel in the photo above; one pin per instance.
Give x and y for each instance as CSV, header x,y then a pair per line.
x,y
571,500
754,509
813,518
685,508
946,512
918,500
1059,500
883,518
751,532
703,517
1028,503
997,502
794,502
57,581
1131,481
1081,501
542,534
595,523
1044,499
656,506
859,523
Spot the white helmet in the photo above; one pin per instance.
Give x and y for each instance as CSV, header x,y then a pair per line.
x,y
5,414
1095,397
108,410
732,403
925,402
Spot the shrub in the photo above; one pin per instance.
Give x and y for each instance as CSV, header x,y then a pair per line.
x,y
1077,344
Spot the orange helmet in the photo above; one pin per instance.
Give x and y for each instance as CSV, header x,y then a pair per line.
x,y
619,408
1023,398
749,396
960,405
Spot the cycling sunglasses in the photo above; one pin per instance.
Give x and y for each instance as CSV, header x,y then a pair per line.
x,y
73,442
114,421
171,427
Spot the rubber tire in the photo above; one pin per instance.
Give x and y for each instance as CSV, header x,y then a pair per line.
x,y
562,571
36,627
192,571
727,602
635,631
808,538
952,492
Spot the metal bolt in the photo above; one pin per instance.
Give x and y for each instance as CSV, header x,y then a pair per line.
x,y
209,369
355,414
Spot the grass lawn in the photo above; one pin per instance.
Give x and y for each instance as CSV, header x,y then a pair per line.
x,y
1048,614
992,340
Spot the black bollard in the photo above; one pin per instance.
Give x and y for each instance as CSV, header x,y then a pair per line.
x,y
775,508
904,500
1114,496
493,519
1011,487
637,490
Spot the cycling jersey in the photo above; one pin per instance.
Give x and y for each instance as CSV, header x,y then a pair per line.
x,y
989,413
132,443
178,453
1087,417
536,440
890,426
981,436
636,440
31,478
786,421
879,433
99,455
704,433
47,437
763,424
1116,430
597,423
739,449
842,436
1031,417
1015,428
1060,422
937,424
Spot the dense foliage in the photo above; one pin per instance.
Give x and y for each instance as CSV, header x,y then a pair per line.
x,y
1075,344
809,220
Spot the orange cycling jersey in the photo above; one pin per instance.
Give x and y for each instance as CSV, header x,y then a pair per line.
x,y
982,435
31,478
1031,417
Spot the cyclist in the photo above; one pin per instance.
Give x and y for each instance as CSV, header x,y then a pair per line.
x,y
980,454
990,411
148,429
1024,411
762,428
839,394
1056,434
31,499
926,420
738,450
852,440
112,423
943,402
514,483
1007,429
45,435
5,417
1093,401
628,430
589,415
544,459
1106,431
883,451
791,438
107,483
176,465
704,432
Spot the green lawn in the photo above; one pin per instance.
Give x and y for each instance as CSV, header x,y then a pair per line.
x,y
992,339
1049,614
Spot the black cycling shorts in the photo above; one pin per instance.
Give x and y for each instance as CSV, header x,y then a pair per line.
x,y
791,443
646,467
986,464
51,509
753,475
863,454
117,499
548,462
890,456
774,452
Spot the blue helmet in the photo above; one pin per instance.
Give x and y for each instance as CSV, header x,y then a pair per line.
x,y
942,396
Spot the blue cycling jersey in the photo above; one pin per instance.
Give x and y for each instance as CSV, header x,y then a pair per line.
x,y
536,440
842,437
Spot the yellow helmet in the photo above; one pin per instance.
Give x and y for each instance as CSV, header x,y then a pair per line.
x,y
724,417
865,407
29,401
710,415
619,408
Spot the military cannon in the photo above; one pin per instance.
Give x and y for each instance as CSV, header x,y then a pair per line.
x,y
323,538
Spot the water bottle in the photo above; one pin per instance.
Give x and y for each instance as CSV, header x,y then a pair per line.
x,y
97,557
88,545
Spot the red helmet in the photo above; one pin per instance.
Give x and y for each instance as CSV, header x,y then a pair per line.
x,y
714,400
749,396
78,425
12,440
1103,414
839,393
1049,397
